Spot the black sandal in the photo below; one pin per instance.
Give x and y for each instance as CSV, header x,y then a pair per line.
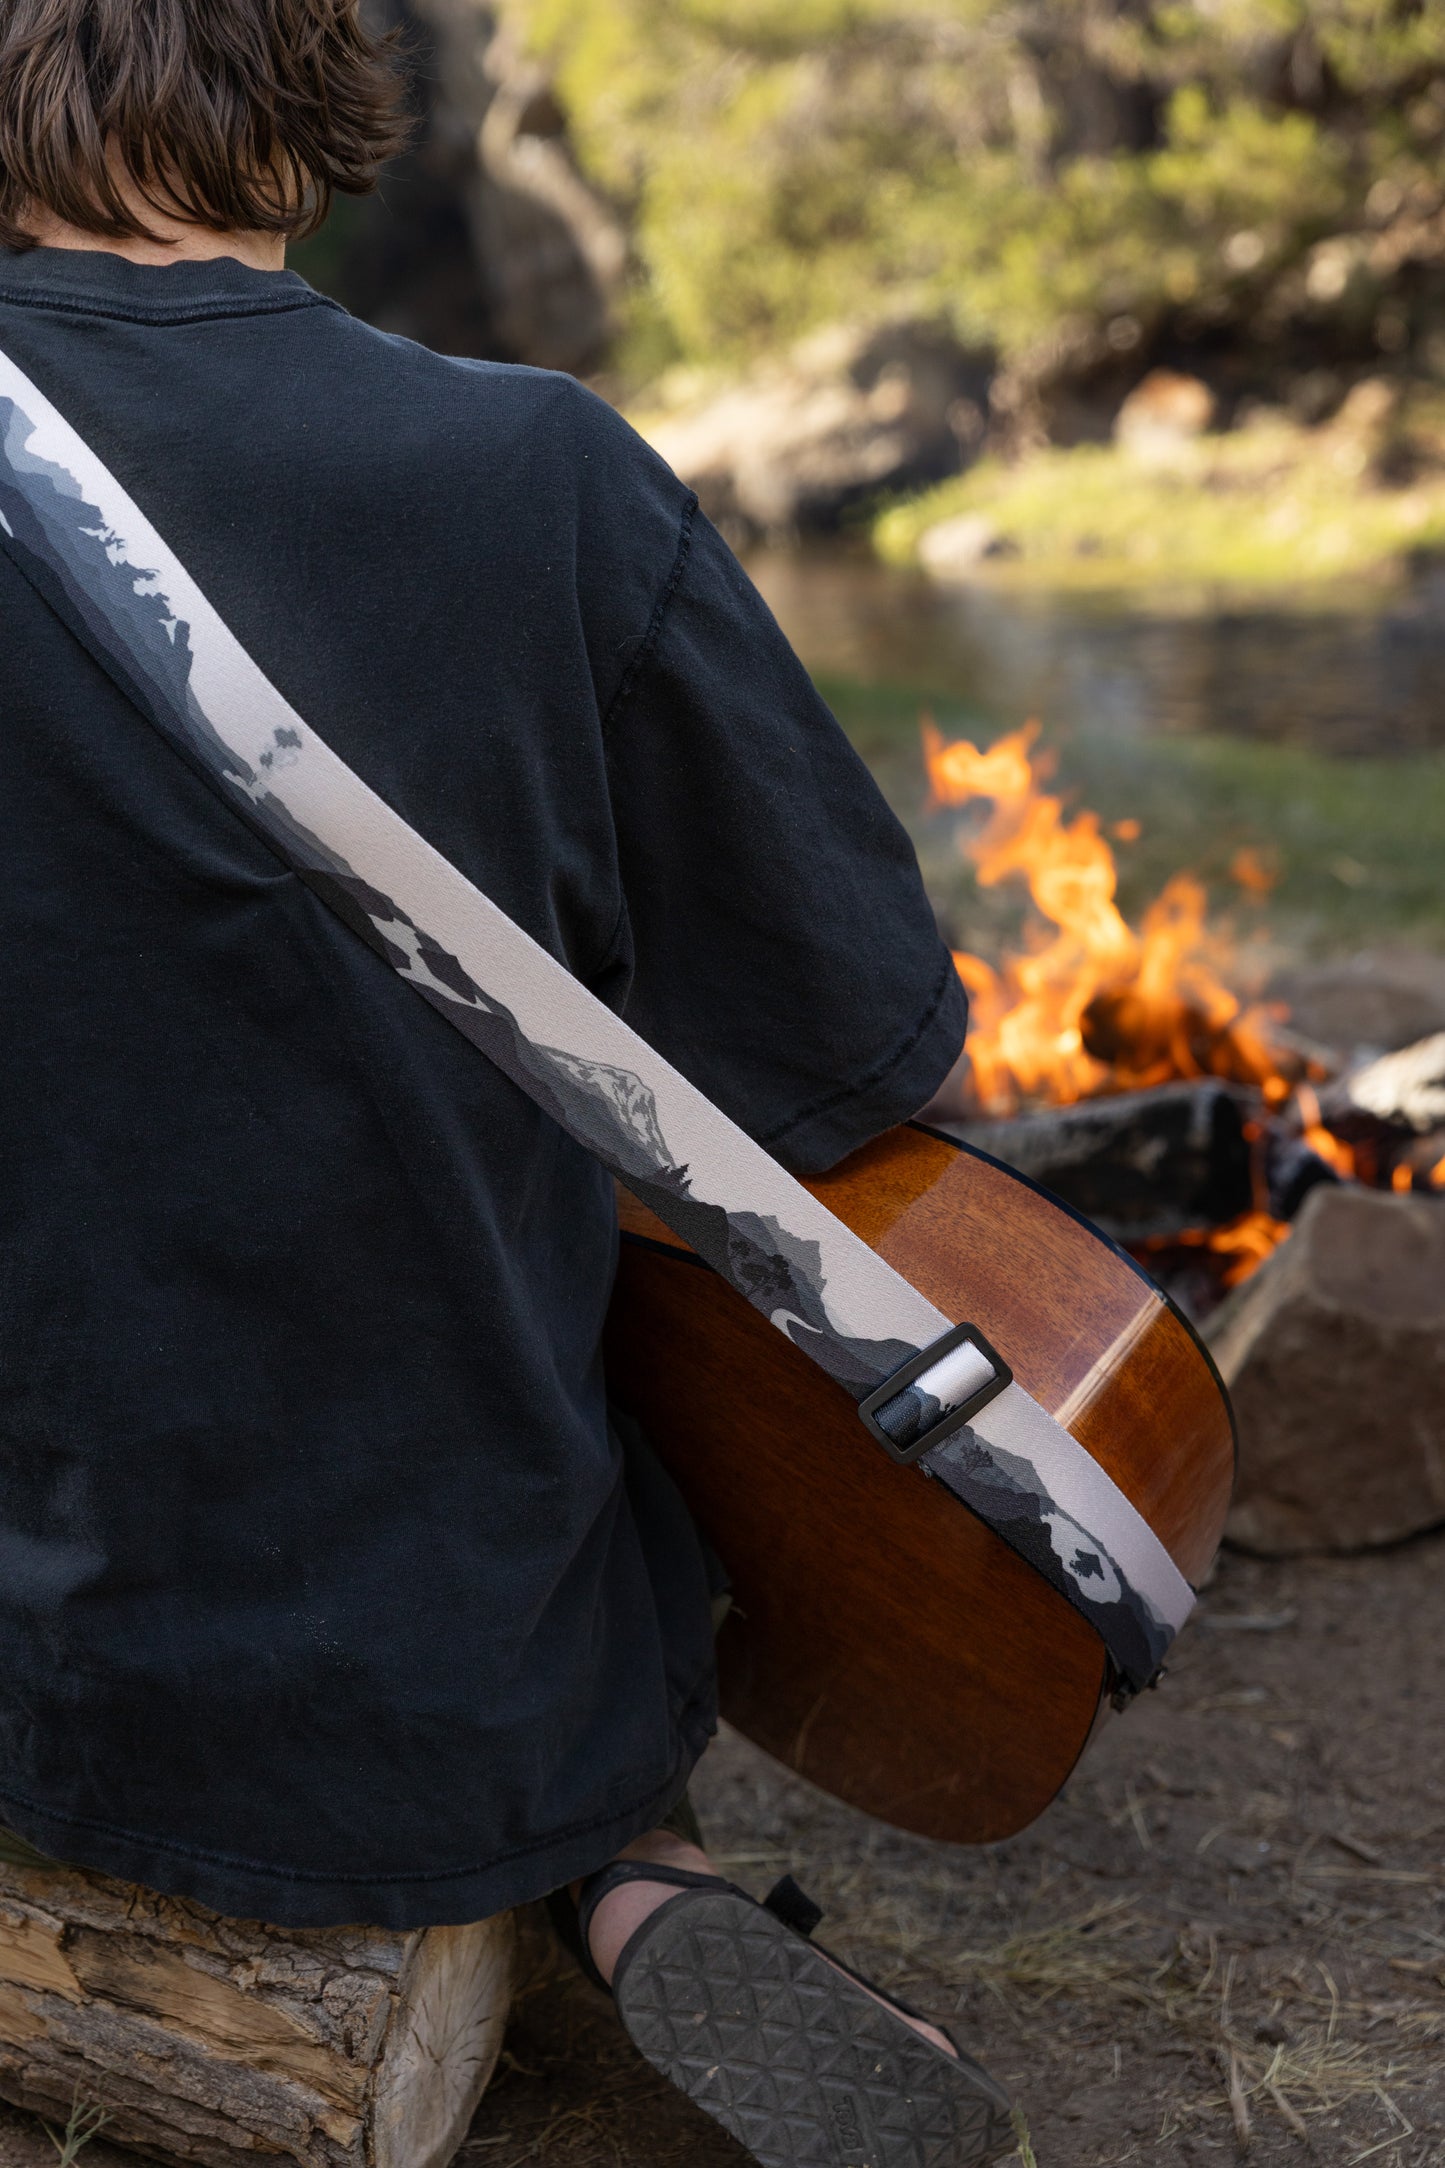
x,y
731,2001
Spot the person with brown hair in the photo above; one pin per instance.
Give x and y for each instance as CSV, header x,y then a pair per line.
x,y
330,1587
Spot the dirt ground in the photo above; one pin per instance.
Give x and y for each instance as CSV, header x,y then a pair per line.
x,y
1226,1941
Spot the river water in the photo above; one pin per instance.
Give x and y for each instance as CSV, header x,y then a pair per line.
x,y
1307,729
1342,673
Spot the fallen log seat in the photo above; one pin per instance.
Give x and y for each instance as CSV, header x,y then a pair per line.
x,y
227,2042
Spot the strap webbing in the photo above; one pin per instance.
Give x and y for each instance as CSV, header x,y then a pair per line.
x,y
96,559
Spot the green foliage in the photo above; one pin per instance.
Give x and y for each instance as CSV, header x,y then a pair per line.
x,y
1042,173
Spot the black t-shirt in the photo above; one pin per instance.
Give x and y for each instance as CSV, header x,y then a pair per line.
x,y
326,1590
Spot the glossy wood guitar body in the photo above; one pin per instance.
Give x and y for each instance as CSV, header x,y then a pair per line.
x,y
885,1643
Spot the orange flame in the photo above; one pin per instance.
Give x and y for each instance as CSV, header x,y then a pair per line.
x,y
1253,872
1333,1150
1436,1176
1243,1243
1090,1005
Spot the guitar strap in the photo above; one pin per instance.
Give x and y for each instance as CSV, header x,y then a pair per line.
x,y
929,1390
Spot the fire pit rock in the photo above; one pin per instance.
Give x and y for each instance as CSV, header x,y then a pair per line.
x,y
1335,1357
1383,998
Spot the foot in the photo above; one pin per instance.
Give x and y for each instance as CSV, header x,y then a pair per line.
x,y
623,1911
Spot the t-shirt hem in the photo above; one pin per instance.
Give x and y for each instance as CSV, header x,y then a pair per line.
x,y
903,1082
291,1898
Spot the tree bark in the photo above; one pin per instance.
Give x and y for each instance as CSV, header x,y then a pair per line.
x,y
218,2041
496,243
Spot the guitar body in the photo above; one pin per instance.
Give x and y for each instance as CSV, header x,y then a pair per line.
x,y
883,1642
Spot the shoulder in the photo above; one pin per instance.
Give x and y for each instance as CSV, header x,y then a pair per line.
x,y
541,425
514,480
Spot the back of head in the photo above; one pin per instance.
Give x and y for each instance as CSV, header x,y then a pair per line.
x,y
235,115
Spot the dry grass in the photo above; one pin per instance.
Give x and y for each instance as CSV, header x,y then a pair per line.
x,y
1333,2050
1266,2037
1026,2156
1094,1956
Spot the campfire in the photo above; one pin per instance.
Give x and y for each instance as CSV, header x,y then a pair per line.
x,y
1195,1121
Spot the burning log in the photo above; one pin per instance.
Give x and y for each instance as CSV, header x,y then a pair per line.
x,y
1142,1165
1092,1004
1335,1357
222,2041
1134,1036
1188,1126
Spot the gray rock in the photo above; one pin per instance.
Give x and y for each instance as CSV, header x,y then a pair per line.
x,y
1380,998
552,255
1335,1357
849,413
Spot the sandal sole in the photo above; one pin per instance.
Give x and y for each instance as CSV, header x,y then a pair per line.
x,y
801,2066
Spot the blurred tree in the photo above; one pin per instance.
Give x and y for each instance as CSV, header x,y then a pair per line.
x,y
1069,182
484,238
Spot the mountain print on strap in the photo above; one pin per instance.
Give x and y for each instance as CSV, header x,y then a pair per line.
x,y
95,558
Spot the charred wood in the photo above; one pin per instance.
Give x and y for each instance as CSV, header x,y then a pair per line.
x,y
1292,1169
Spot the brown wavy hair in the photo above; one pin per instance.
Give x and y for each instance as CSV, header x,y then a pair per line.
x,y
238,115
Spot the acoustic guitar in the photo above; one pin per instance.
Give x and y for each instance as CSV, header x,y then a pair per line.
x,y
883,1642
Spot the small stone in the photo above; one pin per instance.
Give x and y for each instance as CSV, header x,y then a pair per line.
x,y
1334,1354
958,545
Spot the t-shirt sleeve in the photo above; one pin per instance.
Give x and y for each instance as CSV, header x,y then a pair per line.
x,y
782,952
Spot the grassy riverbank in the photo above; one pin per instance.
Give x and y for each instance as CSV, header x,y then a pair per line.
x,y
1352,846
1271,503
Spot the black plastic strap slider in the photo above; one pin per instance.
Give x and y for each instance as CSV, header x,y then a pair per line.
x,y
954,1417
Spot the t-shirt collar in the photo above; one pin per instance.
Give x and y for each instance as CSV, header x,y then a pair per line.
x,y
101,282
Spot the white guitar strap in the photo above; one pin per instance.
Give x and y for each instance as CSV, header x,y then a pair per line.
x,y
929,1390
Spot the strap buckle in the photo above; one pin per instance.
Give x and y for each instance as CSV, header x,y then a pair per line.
x,y
953,1417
